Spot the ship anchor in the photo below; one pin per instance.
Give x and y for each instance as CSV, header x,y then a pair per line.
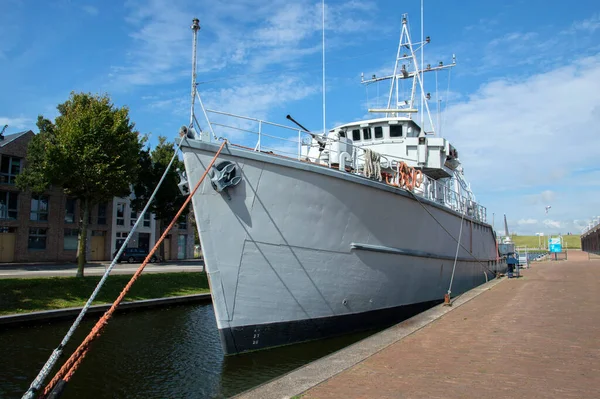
x,y
223,176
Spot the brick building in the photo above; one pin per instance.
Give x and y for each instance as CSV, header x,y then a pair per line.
x,y
44,228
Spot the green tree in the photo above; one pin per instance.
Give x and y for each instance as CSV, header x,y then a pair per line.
x,y
168,199
91,151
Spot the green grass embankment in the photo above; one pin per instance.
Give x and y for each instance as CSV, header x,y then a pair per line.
x,y
569,242
23,295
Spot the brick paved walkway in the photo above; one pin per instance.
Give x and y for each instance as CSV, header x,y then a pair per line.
x,y
533,337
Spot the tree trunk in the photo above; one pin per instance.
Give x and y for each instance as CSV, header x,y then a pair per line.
x,y
83,237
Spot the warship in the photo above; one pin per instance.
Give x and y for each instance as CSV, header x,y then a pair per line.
x,y
308,235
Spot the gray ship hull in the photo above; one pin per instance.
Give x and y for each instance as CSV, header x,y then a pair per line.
x,y
298,251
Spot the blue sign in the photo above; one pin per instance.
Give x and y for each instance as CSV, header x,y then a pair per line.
x,y
554,244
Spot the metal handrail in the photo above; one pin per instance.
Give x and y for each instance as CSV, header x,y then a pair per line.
x,y
255,120
449,197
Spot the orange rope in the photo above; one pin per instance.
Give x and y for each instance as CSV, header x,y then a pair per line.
x,y
71,365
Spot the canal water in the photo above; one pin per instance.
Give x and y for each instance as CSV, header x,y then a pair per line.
x,y
170,352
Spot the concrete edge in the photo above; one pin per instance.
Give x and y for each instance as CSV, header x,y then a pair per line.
x,y
48,315
308,376
67,265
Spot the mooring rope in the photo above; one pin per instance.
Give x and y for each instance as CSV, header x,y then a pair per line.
x,y
456,256
372,164
39,380
454,238
71,365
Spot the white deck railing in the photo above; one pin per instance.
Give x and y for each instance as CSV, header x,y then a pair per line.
x,y
258,135
594,225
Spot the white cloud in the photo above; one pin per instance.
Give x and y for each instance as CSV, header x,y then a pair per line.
x,y
242,34
484,25
512,39
527,221
552,223
9,28
241,41
516,136
538,128
580,224
91,10
19,123
256,100
588,25
543,198
518,52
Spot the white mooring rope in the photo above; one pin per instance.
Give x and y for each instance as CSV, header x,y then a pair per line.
x,y
372,164
39,380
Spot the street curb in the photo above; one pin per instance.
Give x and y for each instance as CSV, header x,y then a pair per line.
x,y
72,265
308,376
69,313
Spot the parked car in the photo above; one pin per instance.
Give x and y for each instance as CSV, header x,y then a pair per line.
x,y
135,255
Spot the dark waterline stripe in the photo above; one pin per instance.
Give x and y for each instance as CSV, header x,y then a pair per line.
x,y
265,336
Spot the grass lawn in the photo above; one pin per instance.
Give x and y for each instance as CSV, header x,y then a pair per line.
x,y
22,295
569,242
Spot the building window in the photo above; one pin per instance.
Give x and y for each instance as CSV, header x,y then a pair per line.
x,y
367,133
10,167
146,219
356,135
378,132
133,217
182,223
37,238
39,208
121,214
395,130
101,213
71,239
70,210
8,205
121,236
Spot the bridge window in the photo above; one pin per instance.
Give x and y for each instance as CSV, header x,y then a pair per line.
x,y
367,133
378,132
356,135
395,130
342,134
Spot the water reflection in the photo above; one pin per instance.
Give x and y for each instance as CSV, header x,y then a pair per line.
x,y
159,353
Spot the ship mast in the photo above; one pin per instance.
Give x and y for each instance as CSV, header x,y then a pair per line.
x,y
195,28
407,67
507,239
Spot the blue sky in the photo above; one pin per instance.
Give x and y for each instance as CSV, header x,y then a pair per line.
x,y
523,107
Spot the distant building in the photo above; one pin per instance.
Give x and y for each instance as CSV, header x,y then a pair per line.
x,y
44,228
33,228
178,244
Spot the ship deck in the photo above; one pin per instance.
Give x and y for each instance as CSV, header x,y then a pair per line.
x,y
535,337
